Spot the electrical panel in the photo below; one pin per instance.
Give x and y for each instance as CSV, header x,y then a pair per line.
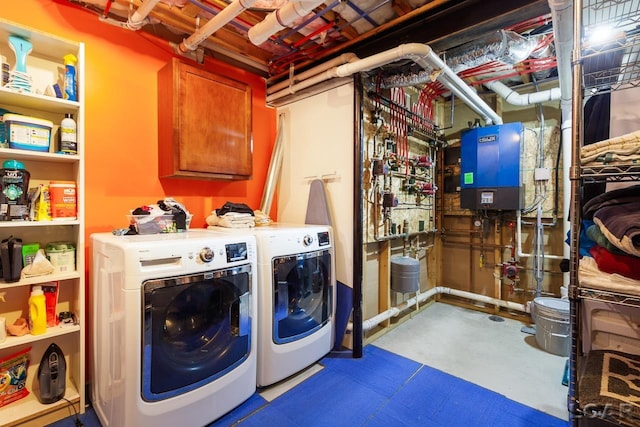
x,y
490,175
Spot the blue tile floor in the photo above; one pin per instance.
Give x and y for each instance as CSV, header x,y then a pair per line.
x,y
381,389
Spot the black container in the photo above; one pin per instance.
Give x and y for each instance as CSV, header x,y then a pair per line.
x,y
11,254
14,183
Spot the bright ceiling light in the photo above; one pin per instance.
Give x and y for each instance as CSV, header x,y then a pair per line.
x,y
600,35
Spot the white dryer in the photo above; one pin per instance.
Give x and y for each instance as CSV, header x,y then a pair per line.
x,y
296,297
174,327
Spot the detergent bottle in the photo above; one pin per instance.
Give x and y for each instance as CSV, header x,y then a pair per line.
x,y
70,91
37,311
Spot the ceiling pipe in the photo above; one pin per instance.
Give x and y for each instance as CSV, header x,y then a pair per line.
x,y
139,17
225,16
422,55
338,60
515,98
280,19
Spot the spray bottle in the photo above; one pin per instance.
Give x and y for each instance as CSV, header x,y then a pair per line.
x,y
70,91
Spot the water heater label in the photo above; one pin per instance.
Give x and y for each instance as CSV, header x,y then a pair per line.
x,y
468,178
488,138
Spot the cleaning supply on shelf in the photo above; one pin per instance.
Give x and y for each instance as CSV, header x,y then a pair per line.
x,y
14,188
39,203
70,89
52,373
29,251
13,372
27,133
19,80
62,256
63,200
37,311
50,291
68,135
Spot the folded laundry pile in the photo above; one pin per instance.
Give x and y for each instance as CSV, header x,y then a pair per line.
x,y
236,215
623,149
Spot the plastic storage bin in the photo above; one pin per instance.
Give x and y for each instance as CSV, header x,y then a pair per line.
x,y
27,133
155,224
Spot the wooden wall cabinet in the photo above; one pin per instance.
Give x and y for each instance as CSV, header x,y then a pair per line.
x,y
204,124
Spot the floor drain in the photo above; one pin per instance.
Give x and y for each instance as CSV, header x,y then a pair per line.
x,y
496,318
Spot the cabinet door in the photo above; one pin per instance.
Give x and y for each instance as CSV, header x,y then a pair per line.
x,y
204,124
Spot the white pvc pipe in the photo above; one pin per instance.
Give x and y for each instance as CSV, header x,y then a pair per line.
x,y
338,60
422,55
372,322
519,240
515,98
280,19
562,17
137,19
214,24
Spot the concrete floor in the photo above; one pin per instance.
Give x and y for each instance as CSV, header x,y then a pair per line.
x,y
492,354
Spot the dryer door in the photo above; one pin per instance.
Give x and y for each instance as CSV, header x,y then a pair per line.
x,y
196,329
301,295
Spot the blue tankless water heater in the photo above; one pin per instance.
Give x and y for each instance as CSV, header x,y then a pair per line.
x,y
490,168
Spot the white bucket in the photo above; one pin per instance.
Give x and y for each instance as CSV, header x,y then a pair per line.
x,y
553,327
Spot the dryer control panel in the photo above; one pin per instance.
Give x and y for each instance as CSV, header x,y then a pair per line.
x,y
323,238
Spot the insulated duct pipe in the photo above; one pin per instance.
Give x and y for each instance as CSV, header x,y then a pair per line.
x,y
562,17
280,19
421,297
422,55
138,18
214,24
274,168
514,98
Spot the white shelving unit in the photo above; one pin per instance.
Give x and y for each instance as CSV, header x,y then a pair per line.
x,y
45,65
598,69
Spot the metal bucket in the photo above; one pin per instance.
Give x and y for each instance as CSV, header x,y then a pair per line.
x,y
553,329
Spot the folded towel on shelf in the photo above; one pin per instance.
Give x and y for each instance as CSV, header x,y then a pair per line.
x,y
590,276
608,262
617,215
620,149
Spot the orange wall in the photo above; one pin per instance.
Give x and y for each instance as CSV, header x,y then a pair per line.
x,y
121,119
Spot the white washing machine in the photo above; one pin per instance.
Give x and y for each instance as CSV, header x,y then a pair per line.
x,y
174,327
296,297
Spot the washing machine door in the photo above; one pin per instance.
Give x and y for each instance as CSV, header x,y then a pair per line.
x,y
301,295
197,328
